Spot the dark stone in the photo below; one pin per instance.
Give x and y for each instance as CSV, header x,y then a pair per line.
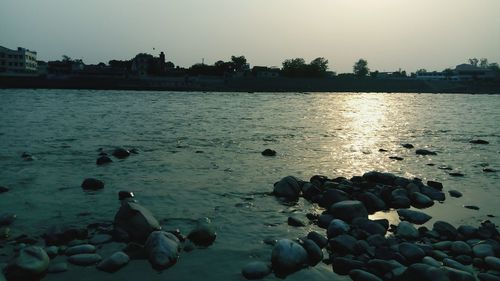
x,y
372,202
343,265
313,251
420,271
400,202
135,220
376,240
293,221
382,150
203,234
324,220
343,244
163,249
407,145
425,152
361,275
103,160
288,256
467,231
369,226
378,177
256,270
123,194
489,170
432,193
92,184
411,252
435,184
30,264
332,196
488,277
268,152
7,219
459,275
288,187
464,259
420,200
472,207
445,229
396,158
62,234
456,174
412,216
3,189
319,239
121,153
455,193
337,227
478,141
348,210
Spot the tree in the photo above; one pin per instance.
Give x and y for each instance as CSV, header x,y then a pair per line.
x,y
494,67
448,73
66,58
421,71
473,61
483,63
360,68
319,65
374,74
240,63
294,67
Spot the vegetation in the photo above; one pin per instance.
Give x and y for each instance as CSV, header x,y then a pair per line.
x,y
299,68
360,68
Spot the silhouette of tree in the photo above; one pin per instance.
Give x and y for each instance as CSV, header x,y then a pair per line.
x,y
473,61
421,71
483,63
448,73
374,74
66,58
240,63
319,65
360,68
298,68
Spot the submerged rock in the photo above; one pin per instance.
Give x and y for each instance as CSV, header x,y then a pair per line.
x,y
162,249
425,152
80,249
288,256
479,141
203,234
455,193
3,189
407,145
31,264
103,160
268,152
7,219
92,184
114,262
135,220
287,187
121,153
293,221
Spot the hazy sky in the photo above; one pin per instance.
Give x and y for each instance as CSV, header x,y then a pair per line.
x,y
390,34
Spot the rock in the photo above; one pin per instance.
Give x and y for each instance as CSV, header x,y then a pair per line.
x,y
4,233
396,158
456,174
92,184
372,202
455,193
456,265
337,227
31,263
203,234
483,250
488,277
382,150
420,271
464,259
332,196
424,152
319,239
400,202
268,152
324,220
288,256
493,262
343,244
348,210
381,267
376,240
407,145
406,230
256,270
478,141
431,261
52,251
85,259
121,153
62,234
467,231
433,193
7,219
114,262
293,221
288,187
313,251
58,267
103,160
411,252
135,220
369,227
472,207
460,248
80,249
445,229
412,216
100,239
420,200
343,265
123,194
361,275
458,275
435,184
378,177
3,189
162,249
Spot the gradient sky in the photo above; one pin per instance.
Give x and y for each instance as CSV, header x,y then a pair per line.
x,y
390,34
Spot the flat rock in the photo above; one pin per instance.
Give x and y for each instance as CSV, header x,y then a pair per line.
x,y
424,152
413,216
85,259
348,210
288,256
100,239
114,262
80,249
256,270
162,249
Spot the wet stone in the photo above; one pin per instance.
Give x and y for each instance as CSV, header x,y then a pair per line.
x,y
488,277
256,270
420,200
7,219
288,187
100,239
471,207
478,141
413,216
407,230
337,227
319,239
80,249
84,259
411,252
343,244
361,275
460,248
92,184
31,263
407,145
162,249
268,152
288,256
493,262
343,265
459,275
114,262
424,152
435,184
121,153
313,251
483,250
58,267
203,234
445,229
455,193
348,210
431,261
52,251
293,221
103,160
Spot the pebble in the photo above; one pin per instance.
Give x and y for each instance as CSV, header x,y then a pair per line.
x,y
420,200
456,174
413,216
407,145
85,259
80,249
337,227
92,184
493,262
478,141
288,256
100,239
458,275
455,193
431,261
483,250
460,248
445,229
58,267
293,221
343,244
471,207
114,262
456,265
407,230
420,272
256,270
361,275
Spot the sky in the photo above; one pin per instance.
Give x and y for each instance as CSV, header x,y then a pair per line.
x,y
389,34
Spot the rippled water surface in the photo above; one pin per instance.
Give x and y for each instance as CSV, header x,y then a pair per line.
x,y
199,156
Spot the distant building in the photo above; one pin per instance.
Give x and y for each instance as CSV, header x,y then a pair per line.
x,y
265,72
462,72
43,68
435,75
146,64
18,61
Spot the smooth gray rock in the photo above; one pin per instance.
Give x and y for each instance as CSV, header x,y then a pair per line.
x,y
493,263
413,216
80,249
431,261
348,210
442,245
411,252
162,249
456,265
324,220
319,239
459,275
287,187
114,262
337,227
343,244
460,248
445,229
137,221
420,200
203,234
455,193
332,196
32,262
100,239
422,272
58,267
313,251
433,193
361,275
256,270
343,265
406,230
383,266
288,256
483,250
85,259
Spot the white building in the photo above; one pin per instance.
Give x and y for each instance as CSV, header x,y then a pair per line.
x,y
18,61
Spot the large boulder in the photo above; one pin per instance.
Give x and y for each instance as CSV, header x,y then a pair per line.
x,y
162,249
136,221
288,256
348,210
332,196
288,187
31,264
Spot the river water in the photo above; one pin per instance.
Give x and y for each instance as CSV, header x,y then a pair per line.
x,y
199,156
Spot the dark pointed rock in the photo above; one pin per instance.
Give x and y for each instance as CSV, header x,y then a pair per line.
x,y
136,221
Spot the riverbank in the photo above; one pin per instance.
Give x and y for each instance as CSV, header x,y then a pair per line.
x,y
253,84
